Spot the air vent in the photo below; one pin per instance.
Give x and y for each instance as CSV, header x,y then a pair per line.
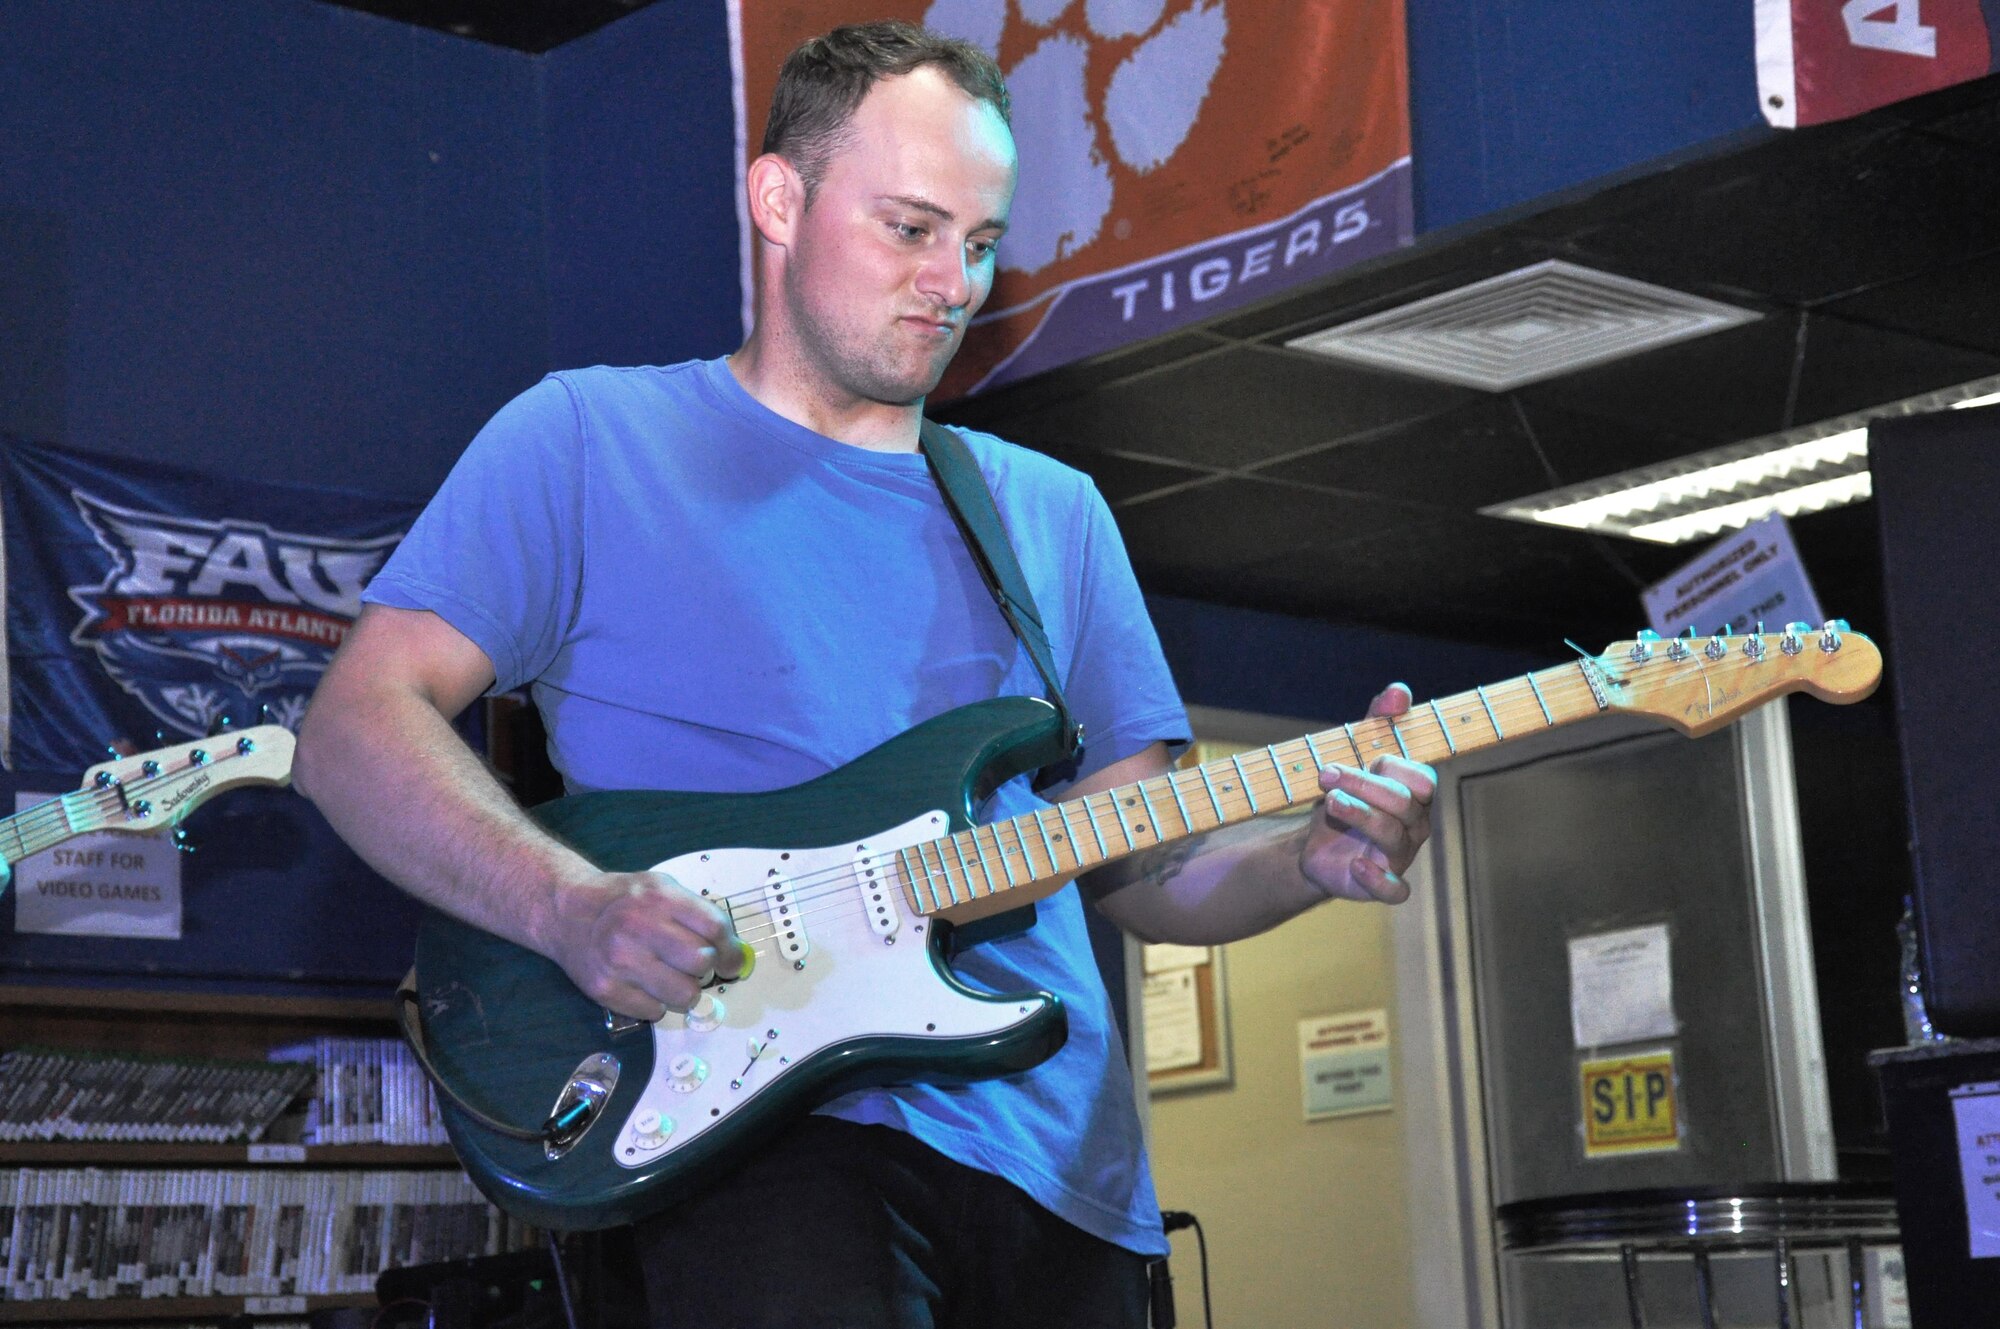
x,y
1524,326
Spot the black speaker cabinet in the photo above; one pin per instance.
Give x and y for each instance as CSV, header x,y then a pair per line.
x,y
1937,497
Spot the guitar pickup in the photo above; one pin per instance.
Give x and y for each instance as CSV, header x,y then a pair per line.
x,y
787,913
875,878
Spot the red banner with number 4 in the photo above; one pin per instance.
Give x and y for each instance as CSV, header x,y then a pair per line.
x,y
1820,60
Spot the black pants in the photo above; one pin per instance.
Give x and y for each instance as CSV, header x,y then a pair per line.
x,y
863,1227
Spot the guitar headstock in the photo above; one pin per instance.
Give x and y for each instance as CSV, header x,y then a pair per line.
x,y
164,785
1697,684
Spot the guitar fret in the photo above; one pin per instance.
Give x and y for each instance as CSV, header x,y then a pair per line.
x,y
979,856
1048,845
1124,827
1000,847
1062,811
1090,820
1536,688
1243,780
1279,767
1152,816
928,878
958,850
1443,728
1221,817
1491,718
1354,743
932,875
1312,750
1403,747
1174,788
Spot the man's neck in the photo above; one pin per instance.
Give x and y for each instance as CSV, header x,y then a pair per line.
x,y
804,399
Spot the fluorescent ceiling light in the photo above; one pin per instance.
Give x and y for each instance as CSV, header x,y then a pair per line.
x,y
1808,469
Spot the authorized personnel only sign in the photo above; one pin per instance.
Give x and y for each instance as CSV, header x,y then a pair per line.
x,y
1630,1105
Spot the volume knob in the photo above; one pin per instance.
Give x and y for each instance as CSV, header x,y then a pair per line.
x,y
650,1130
685,1073
705,1014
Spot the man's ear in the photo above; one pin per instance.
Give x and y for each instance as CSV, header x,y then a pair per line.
x,y
777,198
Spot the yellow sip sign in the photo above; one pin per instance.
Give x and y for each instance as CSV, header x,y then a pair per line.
x,y
1630,1105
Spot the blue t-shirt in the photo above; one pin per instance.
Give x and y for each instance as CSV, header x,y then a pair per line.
x,y
707,596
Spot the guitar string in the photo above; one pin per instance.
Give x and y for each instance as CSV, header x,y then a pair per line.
x,y
829,888
105,803
816,892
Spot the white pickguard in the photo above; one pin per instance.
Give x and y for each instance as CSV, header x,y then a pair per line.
x,y
858,967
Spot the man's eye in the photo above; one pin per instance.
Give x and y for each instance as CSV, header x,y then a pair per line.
x,y
906,231
983,248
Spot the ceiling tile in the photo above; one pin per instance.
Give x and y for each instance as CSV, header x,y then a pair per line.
x,y
1231,523
1806,224
1460,461
988,410
1121,479
1238,408
1734,385
1955,304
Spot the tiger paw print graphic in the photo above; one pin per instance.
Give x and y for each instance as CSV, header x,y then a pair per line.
x,y
1163,55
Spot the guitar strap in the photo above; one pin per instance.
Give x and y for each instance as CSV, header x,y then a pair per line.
x,y
971,505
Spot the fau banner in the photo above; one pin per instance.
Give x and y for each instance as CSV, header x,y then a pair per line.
x,y
145,599
1179,158
1820,60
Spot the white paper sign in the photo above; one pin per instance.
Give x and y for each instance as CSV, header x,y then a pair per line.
x,y
1621,987
101,885
1173,1020
1977,1110
1749,577
1344,1064
1162,956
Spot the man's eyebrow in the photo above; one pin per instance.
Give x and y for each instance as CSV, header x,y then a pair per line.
x,y
942,213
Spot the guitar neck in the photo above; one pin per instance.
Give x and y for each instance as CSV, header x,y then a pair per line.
x,y
1010,863
150,791
48,824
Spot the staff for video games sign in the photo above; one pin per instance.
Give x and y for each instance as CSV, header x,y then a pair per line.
x,y
199,598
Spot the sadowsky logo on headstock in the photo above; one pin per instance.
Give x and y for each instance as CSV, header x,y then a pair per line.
x,y
202,619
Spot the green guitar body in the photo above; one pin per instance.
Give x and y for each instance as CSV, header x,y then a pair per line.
x,y
845,1006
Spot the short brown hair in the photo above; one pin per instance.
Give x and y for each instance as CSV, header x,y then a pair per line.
x,y
825,78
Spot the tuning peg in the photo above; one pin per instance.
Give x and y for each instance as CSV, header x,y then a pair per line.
x,y
1829,640
1715,649
222,723
159,738
181,841
1794,639
1642,647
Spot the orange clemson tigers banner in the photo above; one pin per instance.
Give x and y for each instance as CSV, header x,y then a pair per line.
x,y
1179,158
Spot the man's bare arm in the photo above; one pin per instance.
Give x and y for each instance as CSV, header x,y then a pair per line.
x,y
378,755
1353,844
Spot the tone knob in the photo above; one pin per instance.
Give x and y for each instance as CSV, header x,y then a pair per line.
x,y
650,1130
705,1014
685,1073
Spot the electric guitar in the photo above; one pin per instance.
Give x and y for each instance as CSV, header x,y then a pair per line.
x,y
150,792
573,1118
